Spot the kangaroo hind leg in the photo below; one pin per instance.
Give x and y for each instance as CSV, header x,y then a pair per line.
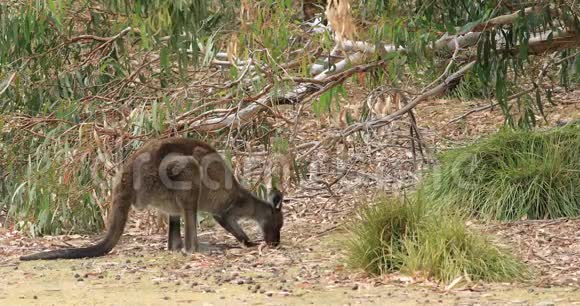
x,y
191,243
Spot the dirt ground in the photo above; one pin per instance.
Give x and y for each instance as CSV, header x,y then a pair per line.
x,y
292,275
309,266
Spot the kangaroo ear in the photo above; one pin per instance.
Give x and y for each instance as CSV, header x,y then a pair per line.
x,y
276,198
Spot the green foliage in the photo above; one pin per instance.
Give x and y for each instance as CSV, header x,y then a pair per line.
x,y
73,74
506,62
323,105
403,235
51,189
471,88
124,70
511,175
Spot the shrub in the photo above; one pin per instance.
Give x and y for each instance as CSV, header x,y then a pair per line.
x,y
512,175
52,189
402,235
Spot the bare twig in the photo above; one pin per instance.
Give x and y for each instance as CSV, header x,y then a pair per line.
x,y
446,71
437,90
550,62
5,84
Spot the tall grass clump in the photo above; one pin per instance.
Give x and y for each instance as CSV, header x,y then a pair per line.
x,y
402,235
378,237
511,175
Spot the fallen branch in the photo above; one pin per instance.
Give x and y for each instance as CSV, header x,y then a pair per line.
x,y
297,94
373,124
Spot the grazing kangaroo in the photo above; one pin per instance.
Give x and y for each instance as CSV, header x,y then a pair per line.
x,y
180,176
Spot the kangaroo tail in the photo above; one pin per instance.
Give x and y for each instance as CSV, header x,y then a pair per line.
x,y
120,212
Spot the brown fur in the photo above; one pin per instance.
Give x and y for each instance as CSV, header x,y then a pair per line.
x,y
180,176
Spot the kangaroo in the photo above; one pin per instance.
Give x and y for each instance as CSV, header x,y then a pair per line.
x,y
180,176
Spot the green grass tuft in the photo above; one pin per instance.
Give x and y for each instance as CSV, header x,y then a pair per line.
x,y
377,240
402,235
510,176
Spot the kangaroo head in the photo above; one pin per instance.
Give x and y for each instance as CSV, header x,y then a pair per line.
x,y
272,225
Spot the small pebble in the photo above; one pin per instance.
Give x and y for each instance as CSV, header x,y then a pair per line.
x,y
355,287
262,291
35,297
269,293
77,275
117,277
